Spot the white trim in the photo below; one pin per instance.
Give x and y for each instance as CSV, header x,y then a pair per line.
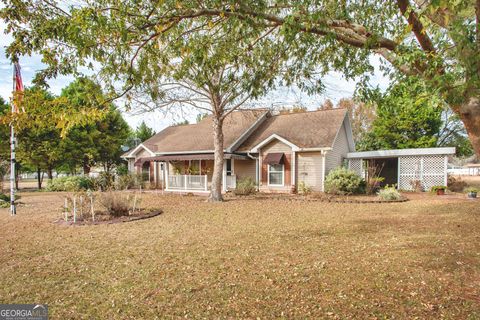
x,y
271,138
314,149
248,132
401,152
141,145
293,169
445,172
185,152
283,177
324,155
349,132
224,176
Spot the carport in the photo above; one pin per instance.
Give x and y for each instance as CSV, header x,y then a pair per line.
x,y
405,167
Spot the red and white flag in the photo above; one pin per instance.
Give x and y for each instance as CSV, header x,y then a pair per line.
x,y
18,92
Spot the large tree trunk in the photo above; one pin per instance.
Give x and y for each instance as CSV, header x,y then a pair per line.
x,y
50,174
216,189
470,115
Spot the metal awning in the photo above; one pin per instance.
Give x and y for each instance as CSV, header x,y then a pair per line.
x,y
274,158
184,157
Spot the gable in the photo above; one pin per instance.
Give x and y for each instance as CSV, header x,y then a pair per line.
x,y
276,146
313,129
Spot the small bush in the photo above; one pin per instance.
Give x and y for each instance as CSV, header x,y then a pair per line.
x,y
303,188
104,181
389,193
471,189
122,170
5,200
456,184
344,181
434,189
116,204
71,184
245,186
125,182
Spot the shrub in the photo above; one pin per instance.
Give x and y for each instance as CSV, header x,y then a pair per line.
x,y
344,181
5,200
245,186
72,184
471,189
125,182
104,181
389,193
436,188
115,203
456,184
122,169
303,188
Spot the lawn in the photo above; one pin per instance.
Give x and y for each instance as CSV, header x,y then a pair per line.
x,y
248,259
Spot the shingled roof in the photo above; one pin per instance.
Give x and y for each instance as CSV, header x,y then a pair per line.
x,y
314,129
198,137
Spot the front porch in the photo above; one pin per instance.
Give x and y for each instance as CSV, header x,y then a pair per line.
x,y
193,173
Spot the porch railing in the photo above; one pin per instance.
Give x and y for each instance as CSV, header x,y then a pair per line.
x,y
231,182
187,182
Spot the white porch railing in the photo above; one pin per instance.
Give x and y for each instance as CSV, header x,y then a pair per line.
x,y
186,182
231,182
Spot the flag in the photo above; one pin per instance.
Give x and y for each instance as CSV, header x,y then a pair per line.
x,y
18,91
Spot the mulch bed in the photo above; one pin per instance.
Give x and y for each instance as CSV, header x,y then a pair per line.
x,y
140,216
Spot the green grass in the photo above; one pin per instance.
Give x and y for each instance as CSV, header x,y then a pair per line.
x,y
248,259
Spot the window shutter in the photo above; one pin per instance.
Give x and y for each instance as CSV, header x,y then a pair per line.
x,y
288,169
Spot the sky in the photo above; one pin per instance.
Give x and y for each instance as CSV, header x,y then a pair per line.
x,y
337,87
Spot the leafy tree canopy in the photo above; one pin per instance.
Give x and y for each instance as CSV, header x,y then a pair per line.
x,y
407,116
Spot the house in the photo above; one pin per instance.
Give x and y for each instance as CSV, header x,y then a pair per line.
x,y
278,151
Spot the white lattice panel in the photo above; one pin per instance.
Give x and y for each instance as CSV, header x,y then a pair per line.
x,y
356,165
434,171
429,170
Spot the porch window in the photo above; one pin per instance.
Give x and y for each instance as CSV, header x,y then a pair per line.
x,y
276,174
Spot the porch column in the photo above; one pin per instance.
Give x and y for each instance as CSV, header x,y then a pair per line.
x,y
166,168
224,176
293,170
257,172
155,173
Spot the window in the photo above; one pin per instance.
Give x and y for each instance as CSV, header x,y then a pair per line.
x,y
275,174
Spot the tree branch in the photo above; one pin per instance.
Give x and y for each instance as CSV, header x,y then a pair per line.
x,y
417,26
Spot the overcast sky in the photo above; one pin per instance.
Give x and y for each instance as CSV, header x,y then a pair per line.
x,y
336,88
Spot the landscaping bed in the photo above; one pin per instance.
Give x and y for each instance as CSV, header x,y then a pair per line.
x,y
108,219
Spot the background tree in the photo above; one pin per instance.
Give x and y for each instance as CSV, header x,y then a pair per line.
x,y
99,142
144,132
4,132
39,142
4,143
361,116
407,116
110,135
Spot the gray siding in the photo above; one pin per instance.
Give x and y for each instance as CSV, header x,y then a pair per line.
x,y
339,150
310,169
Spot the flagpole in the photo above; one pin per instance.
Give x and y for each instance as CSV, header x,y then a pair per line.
x,y
13,209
